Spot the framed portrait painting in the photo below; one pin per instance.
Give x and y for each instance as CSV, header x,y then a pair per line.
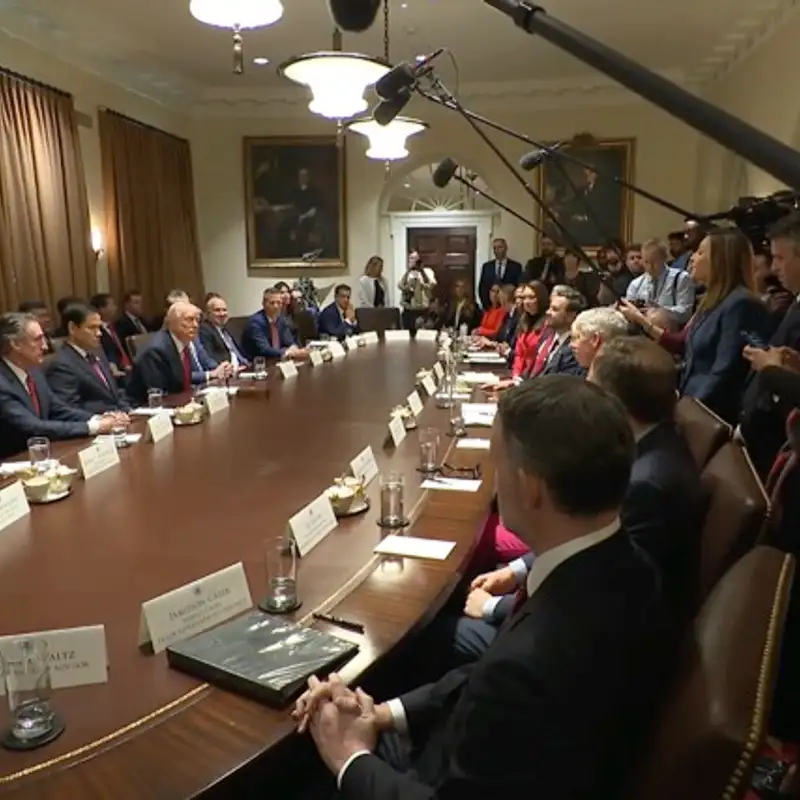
x,y
587,201
295,202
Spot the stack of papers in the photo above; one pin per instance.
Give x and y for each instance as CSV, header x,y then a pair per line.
x,y
473,444
232,390
481,414
13,467
486,358
414,547
478,378
130,438
151,412
452,484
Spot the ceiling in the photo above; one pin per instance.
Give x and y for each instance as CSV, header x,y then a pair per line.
x,y
157,49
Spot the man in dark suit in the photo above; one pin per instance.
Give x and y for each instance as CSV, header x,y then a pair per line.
x,y
501,271
39,309
547,267
556,355
113,347
217,340
131,321
581,665
79,374
27,406
172,361
267,333
338,320
764,414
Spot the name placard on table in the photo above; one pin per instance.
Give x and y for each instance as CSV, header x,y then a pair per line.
x,y
216,401
195,607
397,430
415,403
364,466
429,385
427,336
371,337
353,342
102,455
315,358
438,370
397,336
312,524
13,504
76,656
336,350
288,369
160,427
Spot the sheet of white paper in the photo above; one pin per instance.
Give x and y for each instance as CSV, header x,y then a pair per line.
x,y
130,438
151,412
486,358
473,444
247,376
232,390
13,467
452,484
477,420
462,395
478,378
414,547
490,409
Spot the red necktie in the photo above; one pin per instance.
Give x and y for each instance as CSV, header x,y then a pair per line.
x,y
545,348
187,370
94,363
123,356
31,387
276,339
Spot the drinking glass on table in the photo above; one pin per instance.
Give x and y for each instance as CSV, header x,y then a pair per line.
x,y
393,514
281,565
39,453
428,450
260,367
155,398
26,676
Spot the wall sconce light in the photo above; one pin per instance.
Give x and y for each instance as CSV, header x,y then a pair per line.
x,y
97,243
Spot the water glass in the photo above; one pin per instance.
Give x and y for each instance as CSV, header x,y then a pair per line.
x,y
281,565
428,450
155,398
457,427
260,367
393,501
120,434
26,674
39,452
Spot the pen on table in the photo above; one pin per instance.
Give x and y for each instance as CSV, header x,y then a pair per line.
x,y
347,624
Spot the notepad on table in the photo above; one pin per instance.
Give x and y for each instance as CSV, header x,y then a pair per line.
x,y
130,438
414,547
151,412
452,484
473,444
478,377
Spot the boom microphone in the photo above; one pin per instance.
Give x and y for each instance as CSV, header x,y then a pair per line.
x,y
404,76
387,110
355,16
538,156
444,172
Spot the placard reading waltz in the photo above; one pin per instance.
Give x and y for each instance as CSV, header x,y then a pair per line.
x,y
196,607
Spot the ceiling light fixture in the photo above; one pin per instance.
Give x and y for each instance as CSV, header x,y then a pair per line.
x,y
238,15
337,80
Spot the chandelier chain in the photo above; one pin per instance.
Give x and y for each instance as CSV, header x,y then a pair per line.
x,y
386,30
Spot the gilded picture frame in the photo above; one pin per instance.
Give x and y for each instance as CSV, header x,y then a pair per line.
x,y
610,205
295,202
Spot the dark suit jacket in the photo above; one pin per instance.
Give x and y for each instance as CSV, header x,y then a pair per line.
x,y
563,362
714,370
535,268
330,323
124,327
72,379
215,345
159,366
257,337
511,275
18,421
471,320
508,332
559,705
763,416
113,354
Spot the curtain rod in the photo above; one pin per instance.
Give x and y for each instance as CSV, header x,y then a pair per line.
x,y
38,84
141,124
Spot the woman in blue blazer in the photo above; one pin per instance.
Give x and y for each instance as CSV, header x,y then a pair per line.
x,y
728,316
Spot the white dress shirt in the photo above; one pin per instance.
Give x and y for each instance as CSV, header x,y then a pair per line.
x,y
500,269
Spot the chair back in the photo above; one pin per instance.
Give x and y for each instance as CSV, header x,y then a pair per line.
x,y
378,319
57,343
703,430
306,326
137,343
235,327
737,513
714,718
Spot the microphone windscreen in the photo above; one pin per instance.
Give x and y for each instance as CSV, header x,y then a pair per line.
x,y
444,172
355,16
536,157
387,110
395,81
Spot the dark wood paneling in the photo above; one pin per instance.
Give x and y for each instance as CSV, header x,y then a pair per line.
x,y
450,252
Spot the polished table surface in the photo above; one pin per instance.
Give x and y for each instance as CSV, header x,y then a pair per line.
x,y
199,501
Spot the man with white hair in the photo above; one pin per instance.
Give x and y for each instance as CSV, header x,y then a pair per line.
x,y
172,361
592,329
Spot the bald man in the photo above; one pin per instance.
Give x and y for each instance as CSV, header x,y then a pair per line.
x,y
173,360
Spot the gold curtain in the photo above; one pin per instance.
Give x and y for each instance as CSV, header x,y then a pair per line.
x,y
45,230
150,219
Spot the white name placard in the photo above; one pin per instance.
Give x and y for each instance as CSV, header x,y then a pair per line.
x,y
397,336
415,403
13,504
102,455
397,430
429,385
438,370
315,357
77,656
160,426
312,524
336,349
352,342
288,369
216,401
194,608
427,336
371,337
364,466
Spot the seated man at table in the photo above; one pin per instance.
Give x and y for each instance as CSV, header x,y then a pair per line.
x,y
267,333
338,320
562,702
215,336
112,345
79,374
171,361
27,406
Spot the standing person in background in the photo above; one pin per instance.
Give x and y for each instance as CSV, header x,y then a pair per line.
x,y
417,287
587,283
547,267
500,270
373,290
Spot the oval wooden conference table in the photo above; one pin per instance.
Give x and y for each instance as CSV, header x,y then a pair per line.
x,y
201,500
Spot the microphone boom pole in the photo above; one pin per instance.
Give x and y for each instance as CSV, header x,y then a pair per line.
x,y
766,152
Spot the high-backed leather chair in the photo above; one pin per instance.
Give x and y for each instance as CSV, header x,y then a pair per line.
x,y
703,430
714,719
378,319
737,512
136,343
306,326
235,326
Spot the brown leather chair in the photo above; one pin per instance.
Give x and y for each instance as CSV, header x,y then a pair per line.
x,y
714,718
306,326
737,513
137,343
236,326
378,319
703,430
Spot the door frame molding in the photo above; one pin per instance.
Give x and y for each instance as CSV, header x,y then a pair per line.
x,y
401,221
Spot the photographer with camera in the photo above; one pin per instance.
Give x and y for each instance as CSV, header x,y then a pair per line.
x,y
417,288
